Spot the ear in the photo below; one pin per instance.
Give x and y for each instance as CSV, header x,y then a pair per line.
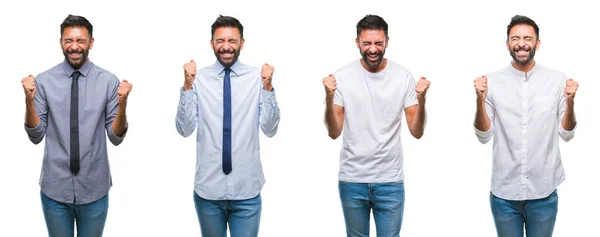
x,y
91,43
387,41
357,43
212,46
242,44
537,44
507,46
60,42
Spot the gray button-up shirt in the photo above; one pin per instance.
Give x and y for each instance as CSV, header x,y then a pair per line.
x,y
97,109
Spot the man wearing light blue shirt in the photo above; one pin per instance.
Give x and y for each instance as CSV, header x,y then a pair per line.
x,y
228,102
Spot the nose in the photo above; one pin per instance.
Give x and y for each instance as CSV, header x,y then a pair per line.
x,y
372,49
74,46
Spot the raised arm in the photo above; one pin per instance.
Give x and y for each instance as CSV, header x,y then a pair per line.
x,y
187,111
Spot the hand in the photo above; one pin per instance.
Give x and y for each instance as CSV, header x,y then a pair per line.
x,y
189,70
481,87
570,89
123,91
422,87
330,84
267,75
29,87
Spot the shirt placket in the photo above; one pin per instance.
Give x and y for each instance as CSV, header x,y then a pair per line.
x,y
524,140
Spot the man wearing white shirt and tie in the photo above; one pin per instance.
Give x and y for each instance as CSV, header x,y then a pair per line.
x,y
228,102
525,107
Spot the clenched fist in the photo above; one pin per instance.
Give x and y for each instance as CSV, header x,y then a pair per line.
x,y
422,87
330,85
123,91
189,70
29,87
570,89
267,75
481,89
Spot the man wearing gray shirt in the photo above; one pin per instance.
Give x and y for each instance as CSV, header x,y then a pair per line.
x,y
73,105
525,107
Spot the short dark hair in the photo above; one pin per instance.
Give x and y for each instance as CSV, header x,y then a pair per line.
x,y
226,21
73,20
522,20
371,22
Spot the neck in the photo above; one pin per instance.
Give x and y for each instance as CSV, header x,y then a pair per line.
x,y
379,68
524,67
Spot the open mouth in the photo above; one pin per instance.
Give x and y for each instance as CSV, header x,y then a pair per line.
x,y
522,53
226,55
75,55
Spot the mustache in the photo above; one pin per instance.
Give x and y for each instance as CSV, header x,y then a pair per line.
x,y
227,51
75,51
522,48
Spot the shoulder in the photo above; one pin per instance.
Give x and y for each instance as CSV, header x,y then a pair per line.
x,y
398,70
350,69
54,72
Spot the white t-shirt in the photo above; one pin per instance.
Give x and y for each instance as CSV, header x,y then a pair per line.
x,y
373,106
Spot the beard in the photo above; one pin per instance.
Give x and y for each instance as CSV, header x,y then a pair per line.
x,y
76,63
229,62
526,60
372,64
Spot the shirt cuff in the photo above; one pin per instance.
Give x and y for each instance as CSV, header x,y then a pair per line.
x,y
483,134
566,135
114,138
268,96
35,130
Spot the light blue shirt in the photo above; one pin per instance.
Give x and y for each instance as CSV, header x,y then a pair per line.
x,y
251,107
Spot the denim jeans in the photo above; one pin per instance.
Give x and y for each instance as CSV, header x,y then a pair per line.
x,y
60,217
536,216
243,216
386,200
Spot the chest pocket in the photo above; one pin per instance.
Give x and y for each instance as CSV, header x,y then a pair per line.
x,y
544,108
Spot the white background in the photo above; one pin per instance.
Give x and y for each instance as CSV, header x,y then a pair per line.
x,y
447,171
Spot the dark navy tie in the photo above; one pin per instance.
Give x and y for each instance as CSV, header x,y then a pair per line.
x,y
75,123
227,122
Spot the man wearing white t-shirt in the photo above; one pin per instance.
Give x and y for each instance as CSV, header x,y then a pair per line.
x,y
366,99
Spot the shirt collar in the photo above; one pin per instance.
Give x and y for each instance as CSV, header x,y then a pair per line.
x,y
84,70
235,68
522,73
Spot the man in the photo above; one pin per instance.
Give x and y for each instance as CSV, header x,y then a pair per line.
x,y
228,101
72,104
524,106
366,98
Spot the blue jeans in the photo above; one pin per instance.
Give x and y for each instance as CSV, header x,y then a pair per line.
x,y
60,217
538,216
243,216
386,200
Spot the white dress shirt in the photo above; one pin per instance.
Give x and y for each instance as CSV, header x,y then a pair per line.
x,y
251,107
525,111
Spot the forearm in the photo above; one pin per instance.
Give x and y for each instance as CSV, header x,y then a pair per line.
x,y
332,120
482,121
568,122
119,125
187,116
32,120
269,113
417,126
